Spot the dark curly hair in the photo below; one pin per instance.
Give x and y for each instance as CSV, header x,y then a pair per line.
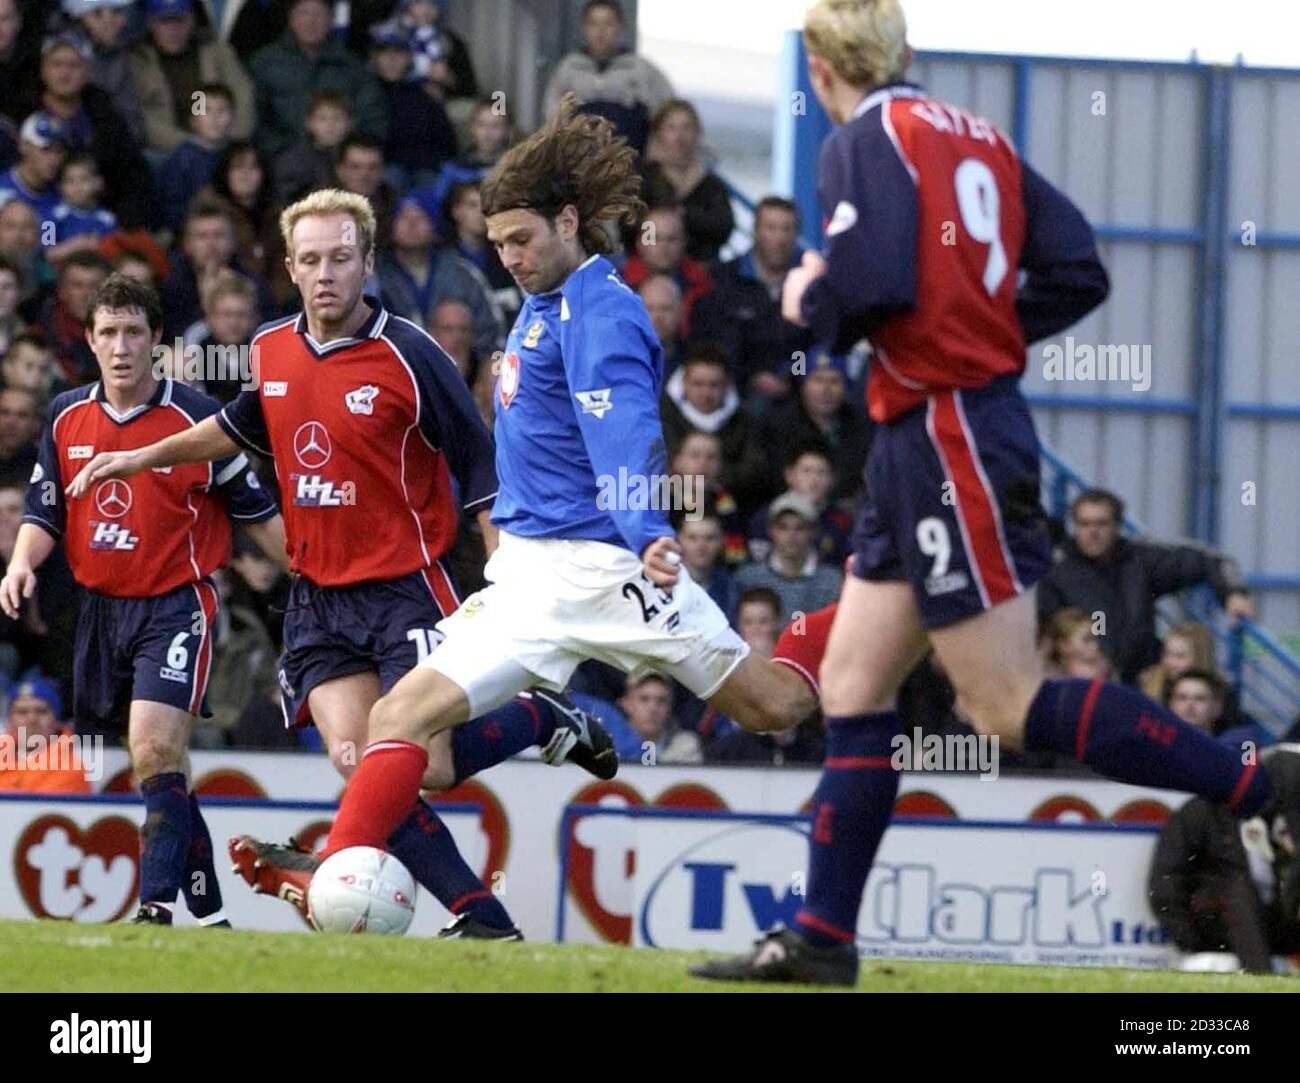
x,y
575,159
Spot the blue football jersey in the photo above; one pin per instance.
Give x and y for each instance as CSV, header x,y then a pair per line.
x,y
580,446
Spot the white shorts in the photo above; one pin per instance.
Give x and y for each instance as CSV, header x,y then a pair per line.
x,y
551,604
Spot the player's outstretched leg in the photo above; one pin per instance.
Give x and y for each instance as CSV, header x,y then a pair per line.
x,y
157,735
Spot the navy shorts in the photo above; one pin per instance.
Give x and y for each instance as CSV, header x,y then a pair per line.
x,y
157,649
380,627
952,503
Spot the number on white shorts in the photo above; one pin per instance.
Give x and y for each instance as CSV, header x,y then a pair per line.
x,y
977,199
177,655
932,537
425,639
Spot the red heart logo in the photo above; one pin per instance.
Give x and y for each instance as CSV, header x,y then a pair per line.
x,y
65,872
617,927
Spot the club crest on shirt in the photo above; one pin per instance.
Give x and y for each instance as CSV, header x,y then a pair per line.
x,y
362,400
508,380
534,335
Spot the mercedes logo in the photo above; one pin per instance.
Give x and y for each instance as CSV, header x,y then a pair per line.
x,y
311,445
113,498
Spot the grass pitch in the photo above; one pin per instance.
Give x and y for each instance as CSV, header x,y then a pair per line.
x,y
47,956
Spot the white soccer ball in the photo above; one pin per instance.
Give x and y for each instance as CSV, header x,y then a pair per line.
x,y
361,890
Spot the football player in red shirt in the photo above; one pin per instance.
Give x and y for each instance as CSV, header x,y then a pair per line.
x,y
931,220
378,447
144,550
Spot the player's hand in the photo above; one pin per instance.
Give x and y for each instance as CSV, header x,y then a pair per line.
x,y
663,561
107,464
1237,605
17,586
796,281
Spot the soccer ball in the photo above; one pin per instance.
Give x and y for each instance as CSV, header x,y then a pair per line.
x,y
361,890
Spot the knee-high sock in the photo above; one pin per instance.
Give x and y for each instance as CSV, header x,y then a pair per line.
x,y
379,796
202,891
165,838
851,809
424,845
1126,736
485,741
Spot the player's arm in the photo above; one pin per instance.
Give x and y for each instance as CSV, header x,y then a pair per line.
x,y
491,536
607,359
250,508
1064,279
200,443
45,513
268,536
867,270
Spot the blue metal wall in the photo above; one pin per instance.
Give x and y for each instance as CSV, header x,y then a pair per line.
x,y
1168,161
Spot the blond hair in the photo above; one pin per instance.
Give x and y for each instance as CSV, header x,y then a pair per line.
x,y
864,41
331,201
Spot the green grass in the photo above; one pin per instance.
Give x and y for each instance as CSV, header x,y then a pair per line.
x,y
51,956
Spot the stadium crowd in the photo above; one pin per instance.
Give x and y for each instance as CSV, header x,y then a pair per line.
x,y
134,138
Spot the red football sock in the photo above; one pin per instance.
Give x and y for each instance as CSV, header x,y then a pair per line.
x,y
379,796
803,643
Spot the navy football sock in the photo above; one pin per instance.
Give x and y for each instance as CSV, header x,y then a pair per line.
x,y
484,742
202,891
1122,734
851,809
424,845
165,838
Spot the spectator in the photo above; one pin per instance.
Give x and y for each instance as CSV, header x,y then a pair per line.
x,y
20,244
1101,572
466,230
652,735
420,136
451,323
490,134
20,49
55,766
171,65
80,223
1071,649
103,22
230,317
242,180
822,414
663,302
190,165
42,146
11,323
29,364
360,169
698,462
11,630
676,168
415,275
810,474
207,246
484,390
744,310
700,397
139,253
444,61
793,571
609,79
759,624
304,60
20,424
1187,645
1199,697
660,248
92,123
701,539
309,162
1218,884
63,317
